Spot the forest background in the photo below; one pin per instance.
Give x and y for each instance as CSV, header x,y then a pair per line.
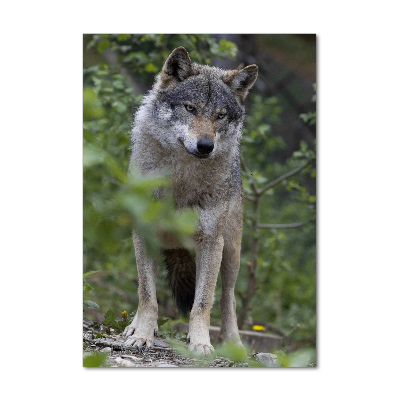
x,y
276,287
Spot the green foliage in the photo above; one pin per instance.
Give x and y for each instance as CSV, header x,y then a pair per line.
x,y
162,321
302,358
258,134
285,258
152,217
311,117
232,352
227,351
167,330
117,324
92,107
88,304
241,355
94,360
145,54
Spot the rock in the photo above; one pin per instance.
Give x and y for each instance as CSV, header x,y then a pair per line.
x,y
87,323
160,343
132,358
106,350
165,365
123,363
266,358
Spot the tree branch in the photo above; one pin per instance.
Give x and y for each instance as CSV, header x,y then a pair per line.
x,y
283,177
114,181
280,226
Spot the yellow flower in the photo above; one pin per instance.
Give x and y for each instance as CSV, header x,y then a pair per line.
x,y
258,328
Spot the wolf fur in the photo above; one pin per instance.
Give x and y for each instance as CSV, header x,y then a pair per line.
x,y
189,126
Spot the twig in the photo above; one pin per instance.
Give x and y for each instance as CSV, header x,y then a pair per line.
x,y
250,198
114,181
284,176
280,226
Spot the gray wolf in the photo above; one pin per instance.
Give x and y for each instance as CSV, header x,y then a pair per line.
x,y
190,124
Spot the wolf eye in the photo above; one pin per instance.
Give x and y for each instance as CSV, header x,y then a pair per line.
x,y
221,115
189,107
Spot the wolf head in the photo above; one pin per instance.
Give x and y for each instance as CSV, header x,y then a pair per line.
x,y
196,108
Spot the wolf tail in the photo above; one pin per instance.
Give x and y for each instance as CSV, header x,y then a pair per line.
x,y
181,274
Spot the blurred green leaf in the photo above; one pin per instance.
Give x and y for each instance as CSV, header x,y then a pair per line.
x,y
103,46
95,360
87,304
232,352
301,358
123,37
92,108
88,274
162,321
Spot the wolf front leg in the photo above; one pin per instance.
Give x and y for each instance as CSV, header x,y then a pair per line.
x,y
141,331
208,262
229,272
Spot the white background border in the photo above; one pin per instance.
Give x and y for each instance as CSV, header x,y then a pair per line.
x,y
358,217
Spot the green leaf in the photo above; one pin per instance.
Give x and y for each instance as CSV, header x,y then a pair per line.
x,y
162,321
150,68
118,84
128,58
304,117
232,352
123,37
303,146
91,157
92,107
86,289
88,304
103,46
95,360
109,319
88,274
301,359
120,107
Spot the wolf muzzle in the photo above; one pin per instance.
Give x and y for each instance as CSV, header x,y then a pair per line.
x,y
205,146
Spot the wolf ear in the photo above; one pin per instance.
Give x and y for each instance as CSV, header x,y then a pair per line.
x,y
177,67
241,80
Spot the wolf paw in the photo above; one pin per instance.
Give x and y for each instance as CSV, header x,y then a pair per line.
x,y
140,340
128,331
201,349
138,336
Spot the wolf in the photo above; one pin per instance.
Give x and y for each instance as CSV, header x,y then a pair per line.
x,y
189,126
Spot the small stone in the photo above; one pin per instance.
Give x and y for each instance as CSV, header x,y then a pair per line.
x,y
266,358
160,343
132,358
87,322
88,334
124,363
165,365
106,350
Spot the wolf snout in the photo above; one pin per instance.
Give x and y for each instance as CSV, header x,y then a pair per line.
x,y
205,146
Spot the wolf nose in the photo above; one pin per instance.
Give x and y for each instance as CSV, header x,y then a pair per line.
x,y
205,146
